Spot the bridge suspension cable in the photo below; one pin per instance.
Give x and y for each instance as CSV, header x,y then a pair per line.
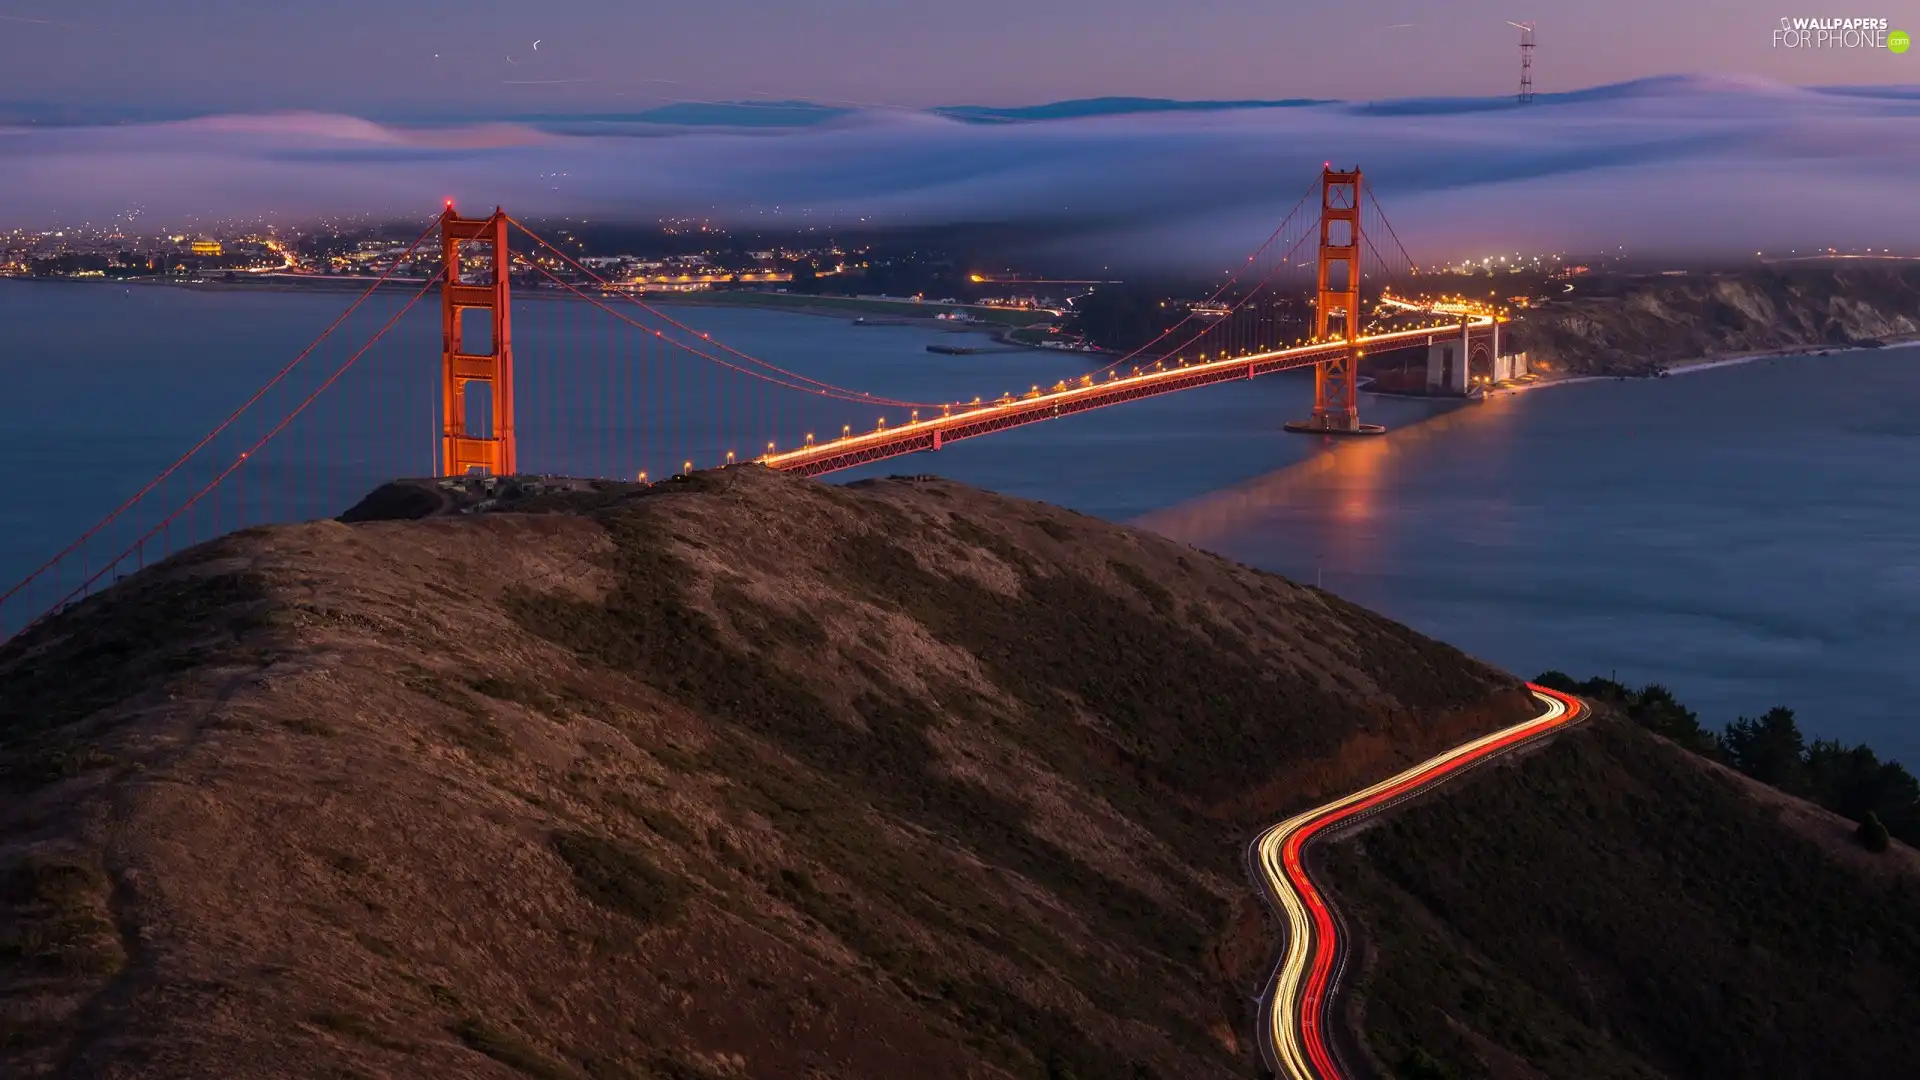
x,y
1380,214
830,388
77,547
1197,312
800,382
1225,316
136,549
1200,318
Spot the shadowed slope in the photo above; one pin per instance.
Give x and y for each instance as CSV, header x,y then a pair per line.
x,y
736,776
1615,907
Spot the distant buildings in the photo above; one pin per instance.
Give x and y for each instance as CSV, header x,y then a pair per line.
x,y
681,256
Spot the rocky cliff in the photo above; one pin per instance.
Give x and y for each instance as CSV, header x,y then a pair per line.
x,y
1636,325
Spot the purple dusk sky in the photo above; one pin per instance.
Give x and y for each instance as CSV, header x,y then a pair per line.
x,y
343,106
379,56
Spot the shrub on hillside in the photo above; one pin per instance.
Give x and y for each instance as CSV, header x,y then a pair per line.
x,y
1851,781
1872,833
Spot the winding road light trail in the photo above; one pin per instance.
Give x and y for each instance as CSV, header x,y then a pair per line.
x,y
1294,1024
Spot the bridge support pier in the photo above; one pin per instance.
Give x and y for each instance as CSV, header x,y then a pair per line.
x,y
1447,367
1336,401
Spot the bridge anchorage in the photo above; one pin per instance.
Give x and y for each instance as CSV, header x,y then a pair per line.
x,y
1457,363
1336,402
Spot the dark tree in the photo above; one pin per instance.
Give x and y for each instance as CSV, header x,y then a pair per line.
x,y
1658,710
1653,707
1854,782
1123,317
1849,780
1558,680
1769,749
1872,833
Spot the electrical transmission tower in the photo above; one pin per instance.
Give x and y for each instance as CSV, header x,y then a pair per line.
x,y
1526,60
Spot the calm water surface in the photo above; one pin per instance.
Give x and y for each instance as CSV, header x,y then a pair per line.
x,y
1749,535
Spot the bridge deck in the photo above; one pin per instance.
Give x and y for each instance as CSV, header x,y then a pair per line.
x,y
989,417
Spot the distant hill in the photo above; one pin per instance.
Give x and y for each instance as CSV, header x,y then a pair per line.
x,y
55,114
805,114
737,776
1109,106
730,114
1657,86
1622,324
1728,91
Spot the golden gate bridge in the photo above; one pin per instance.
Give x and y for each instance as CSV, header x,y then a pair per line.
x,y
602,384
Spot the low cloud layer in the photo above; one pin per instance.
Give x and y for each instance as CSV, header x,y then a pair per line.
x,y
1685,166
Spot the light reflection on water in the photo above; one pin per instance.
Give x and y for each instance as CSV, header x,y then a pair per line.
x,y
1749,536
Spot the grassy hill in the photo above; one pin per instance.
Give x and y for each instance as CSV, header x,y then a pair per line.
x,y
1615,907
736,776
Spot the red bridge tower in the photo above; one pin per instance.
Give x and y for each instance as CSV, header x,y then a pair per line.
x,y
461,450
1336,403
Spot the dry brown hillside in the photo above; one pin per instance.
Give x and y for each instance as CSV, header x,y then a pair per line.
x,y
734,776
